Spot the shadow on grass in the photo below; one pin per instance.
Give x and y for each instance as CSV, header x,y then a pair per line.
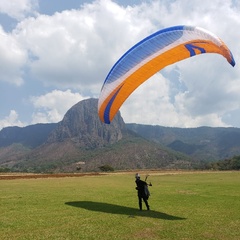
x,y
116,209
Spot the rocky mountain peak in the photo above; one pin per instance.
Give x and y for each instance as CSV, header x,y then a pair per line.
x,y
82,125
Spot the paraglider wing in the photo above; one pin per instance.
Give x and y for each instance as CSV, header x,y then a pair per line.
x,y
149,56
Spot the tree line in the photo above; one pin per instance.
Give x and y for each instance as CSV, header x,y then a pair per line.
x,y
226,164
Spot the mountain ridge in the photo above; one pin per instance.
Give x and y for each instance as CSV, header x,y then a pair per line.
x,y
203,143
82,137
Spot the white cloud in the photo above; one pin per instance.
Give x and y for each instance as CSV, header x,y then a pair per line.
x,y
11,120
12,59
52,106
151,104
76,48
18,9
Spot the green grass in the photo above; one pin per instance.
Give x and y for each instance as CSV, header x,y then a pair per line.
x,y
183,206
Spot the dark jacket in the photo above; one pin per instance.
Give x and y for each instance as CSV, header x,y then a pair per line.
x,y
141,188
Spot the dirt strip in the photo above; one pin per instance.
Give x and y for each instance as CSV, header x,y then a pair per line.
x,y
10,176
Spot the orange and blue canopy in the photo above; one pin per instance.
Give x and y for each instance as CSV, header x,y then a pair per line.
x,y
149,56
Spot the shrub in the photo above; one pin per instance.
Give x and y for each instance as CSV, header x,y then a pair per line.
x,y
106,168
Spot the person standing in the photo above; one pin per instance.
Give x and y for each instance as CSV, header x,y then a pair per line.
x,y
143,193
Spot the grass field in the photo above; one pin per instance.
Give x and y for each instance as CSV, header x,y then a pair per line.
x,y
184,205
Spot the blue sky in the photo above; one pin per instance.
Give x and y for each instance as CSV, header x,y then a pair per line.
x,y
57,53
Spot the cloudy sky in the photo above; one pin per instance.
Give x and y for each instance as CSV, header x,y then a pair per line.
x,y
55,53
